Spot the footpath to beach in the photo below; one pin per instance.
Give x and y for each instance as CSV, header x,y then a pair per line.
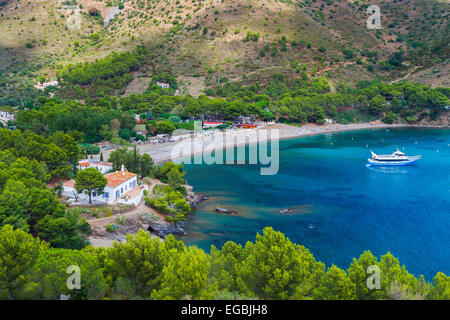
x,y
163,152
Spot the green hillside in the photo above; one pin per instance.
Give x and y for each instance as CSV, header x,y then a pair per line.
x,y
206,42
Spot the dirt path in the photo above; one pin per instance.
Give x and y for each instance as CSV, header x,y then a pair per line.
x,y
406,76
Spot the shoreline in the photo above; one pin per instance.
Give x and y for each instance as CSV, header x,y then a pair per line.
x,y
161,153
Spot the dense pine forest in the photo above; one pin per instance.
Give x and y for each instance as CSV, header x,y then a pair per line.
x,y
271,267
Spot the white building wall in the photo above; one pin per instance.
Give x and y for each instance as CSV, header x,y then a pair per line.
x,y
115,193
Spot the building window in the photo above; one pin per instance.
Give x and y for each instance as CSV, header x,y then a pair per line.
x,y
117,193
106,195
121,190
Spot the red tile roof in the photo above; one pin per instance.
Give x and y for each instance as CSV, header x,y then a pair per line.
x,y
118,177
108,164
88,164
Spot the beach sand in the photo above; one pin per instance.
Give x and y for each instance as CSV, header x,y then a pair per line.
x,y
163,152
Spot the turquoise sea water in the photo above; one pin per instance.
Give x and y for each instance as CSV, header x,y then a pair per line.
x,y
341,206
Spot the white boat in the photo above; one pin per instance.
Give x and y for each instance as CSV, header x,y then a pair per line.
x,y
398,158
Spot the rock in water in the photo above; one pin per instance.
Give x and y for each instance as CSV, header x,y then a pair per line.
x,y
224,210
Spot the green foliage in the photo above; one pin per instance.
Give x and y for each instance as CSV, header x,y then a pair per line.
x,y
348,53
90,180
175,178
390,117
276,268
166,78
227,265
111,66
18,253
145,267
185,275
292,100
74,118
358,276
441,289
54,153
161,172
253,36
48,278
65,231
133,161
136,264
407,100
335,285
25,200
109,75
110,228
169,201
377,104
165,127
89,149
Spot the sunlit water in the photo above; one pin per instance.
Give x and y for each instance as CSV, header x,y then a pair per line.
x,y
341,206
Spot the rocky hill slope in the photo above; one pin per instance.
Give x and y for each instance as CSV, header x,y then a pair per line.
x,y
204,41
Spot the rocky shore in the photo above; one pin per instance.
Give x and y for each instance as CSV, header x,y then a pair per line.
x,y
192,198
140,217
162,228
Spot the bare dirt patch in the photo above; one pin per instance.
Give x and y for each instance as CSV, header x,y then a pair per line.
x,y
138,85
192,85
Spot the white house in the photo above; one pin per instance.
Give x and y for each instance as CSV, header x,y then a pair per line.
x,y
6,116
103,167
121,187
46,84
163,85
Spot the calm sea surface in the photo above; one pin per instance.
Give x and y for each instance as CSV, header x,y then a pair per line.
x,y
341,206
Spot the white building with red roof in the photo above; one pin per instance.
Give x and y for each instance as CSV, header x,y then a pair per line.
x,y
163,85
103,167
121,187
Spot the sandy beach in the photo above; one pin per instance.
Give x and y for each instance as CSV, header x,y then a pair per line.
x,y
163,152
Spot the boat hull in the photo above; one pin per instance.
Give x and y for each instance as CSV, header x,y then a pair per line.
x,y
392,163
